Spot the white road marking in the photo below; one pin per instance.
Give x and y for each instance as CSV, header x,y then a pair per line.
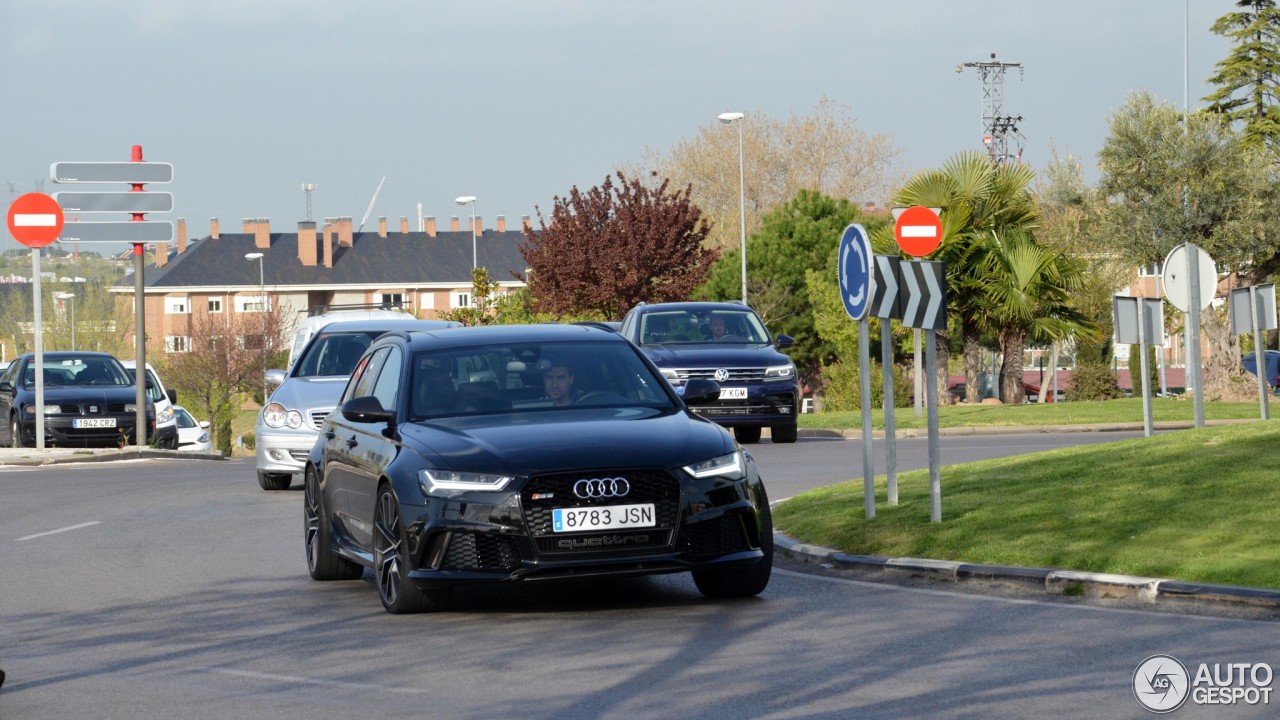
x,y
60,530
317,681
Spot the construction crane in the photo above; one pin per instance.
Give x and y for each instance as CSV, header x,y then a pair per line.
x,y
373,200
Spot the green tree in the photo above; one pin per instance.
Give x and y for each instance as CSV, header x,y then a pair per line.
x,y
483,307
1169,183
605,250
800,235
1248,79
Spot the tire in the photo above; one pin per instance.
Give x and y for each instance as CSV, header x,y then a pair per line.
x,y
391,562
741,582
274,481
747,434
322,562
15,433
784,433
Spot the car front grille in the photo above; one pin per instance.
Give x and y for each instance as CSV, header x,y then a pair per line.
x,y
556,491
318,416
480,551
747,374
741,408
300,455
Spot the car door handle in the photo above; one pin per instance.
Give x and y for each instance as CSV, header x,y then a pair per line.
x,y
352,442
328,434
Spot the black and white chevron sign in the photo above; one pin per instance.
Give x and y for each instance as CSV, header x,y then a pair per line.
x,y
884,301
924,295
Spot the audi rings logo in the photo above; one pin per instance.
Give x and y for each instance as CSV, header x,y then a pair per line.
x,y
721,375
594,488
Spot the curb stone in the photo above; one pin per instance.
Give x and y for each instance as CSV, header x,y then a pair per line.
x,y
31,457
1051,581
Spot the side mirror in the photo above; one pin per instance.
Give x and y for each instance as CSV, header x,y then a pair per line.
x,y
700,391
173,397
784,342
6,387
367,409
275,377
204,424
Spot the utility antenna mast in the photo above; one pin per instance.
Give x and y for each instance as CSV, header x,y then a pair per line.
x,y
997,127
373,200
309,188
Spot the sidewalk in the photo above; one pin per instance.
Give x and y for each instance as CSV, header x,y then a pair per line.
x,y
31,457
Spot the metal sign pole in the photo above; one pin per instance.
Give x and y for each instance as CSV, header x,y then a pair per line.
x,y
1142,364
890,429
919,373
1259,350
140,349
1164,387
1195,372
864,384
931,382
39,338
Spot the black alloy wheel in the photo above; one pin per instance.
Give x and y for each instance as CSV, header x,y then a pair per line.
x,y
391,562
739,582
747,434
322,562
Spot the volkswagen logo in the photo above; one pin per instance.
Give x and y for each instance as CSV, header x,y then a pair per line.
x,y
721,375
592,488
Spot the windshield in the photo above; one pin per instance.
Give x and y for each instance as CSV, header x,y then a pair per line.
x,y
333,354
79,370
684,327
153,386
502,379
184,418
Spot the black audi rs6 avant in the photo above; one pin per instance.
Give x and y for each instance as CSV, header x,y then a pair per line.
x,y
519,452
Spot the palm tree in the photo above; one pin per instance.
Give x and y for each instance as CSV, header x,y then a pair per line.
x,y
981,205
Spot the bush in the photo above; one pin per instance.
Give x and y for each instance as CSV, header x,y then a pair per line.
x,y
842,391
249,441
1093,378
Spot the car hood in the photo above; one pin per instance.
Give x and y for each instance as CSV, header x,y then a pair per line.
x,y
87,393
714,355
565,440
302,393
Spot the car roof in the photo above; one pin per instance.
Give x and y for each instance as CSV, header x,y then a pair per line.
x,y
63,354
501,334
696,306
386,324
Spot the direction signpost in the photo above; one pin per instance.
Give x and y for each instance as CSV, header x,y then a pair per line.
x,y
918,231
857,280
35,219
1253,309
1190,282
1137,321
885,305
136,231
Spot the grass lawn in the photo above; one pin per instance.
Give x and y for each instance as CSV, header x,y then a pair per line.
x,y
1065,413
1200,505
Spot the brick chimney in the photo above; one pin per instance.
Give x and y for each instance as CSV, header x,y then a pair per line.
x,y
453,223
479,226
345,234
431,226
329,234
307,246
262,234
213,228
249,225
382,226
502,223
182,235
526,223
404,224
162,254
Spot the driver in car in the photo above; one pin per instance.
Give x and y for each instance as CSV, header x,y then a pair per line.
x,y
557,384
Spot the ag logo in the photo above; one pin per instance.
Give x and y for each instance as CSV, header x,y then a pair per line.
x,y
1161,683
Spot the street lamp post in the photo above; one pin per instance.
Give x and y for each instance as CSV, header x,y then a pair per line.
x,y
262,308
463,201
72,298
742,192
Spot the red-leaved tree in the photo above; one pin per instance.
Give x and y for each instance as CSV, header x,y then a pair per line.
x,y
606,249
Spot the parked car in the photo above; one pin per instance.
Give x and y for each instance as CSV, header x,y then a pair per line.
x,y
758,383
308,326
1271,365
192,435
522,452
308,391
166,434
89,400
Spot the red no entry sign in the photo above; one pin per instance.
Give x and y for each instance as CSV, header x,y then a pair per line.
x,y
35,220
918,231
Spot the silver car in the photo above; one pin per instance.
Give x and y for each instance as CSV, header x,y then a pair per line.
x,y
309,391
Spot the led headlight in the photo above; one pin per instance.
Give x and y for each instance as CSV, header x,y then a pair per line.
x,y
437,482
731,465
780,372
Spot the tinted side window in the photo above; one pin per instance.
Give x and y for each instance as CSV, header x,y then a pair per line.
x,y
365,384
357,377
388,386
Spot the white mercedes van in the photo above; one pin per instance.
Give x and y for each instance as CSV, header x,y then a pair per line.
x,y
166,423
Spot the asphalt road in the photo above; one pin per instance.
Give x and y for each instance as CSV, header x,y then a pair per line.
x,y
166,589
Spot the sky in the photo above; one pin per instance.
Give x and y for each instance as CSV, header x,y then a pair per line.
x,y
517,101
